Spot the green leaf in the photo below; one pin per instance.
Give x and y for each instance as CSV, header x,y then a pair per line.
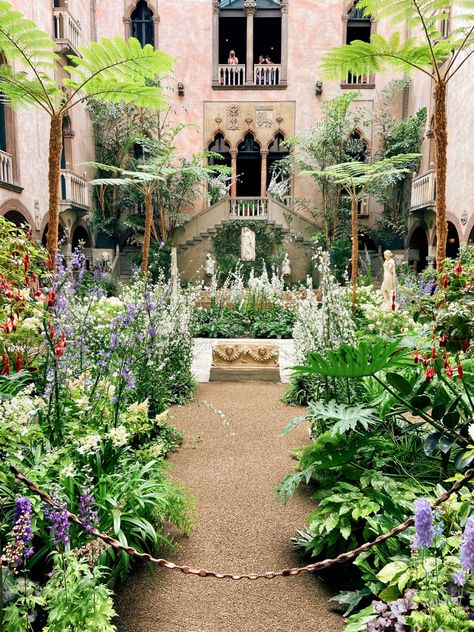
x,y
400,383
391,571
451,420
420,402
390,593
431,443
438,411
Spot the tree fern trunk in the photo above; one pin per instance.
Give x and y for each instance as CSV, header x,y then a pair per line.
x,y
355,249
147,235
54,180
441,145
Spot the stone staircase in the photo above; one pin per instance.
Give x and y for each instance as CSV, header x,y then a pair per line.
x,y
206,224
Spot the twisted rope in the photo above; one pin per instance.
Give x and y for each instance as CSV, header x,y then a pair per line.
x,y
202,572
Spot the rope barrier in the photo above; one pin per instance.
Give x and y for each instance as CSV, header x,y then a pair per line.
x,y
202,572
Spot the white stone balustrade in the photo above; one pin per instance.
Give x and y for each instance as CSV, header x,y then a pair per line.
x,y
244,208
6,168
423,190
232,74
74,189
267,74
67,30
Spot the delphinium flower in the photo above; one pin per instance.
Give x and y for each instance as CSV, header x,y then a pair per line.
x,y
59,527
87,512
458,578
467,546
20,549
423,524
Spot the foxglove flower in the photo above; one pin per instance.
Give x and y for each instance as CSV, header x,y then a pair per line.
x,y
467,546
423,524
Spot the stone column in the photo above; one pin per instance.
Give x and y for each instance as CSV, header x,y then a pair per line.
x,y
233,164
263,188
250,7
284,43
215,42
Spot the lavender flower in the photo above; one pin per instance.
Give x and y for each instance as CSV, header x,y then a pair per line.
x,y
423,524
19,549
467,546
59,527
88,514
113,341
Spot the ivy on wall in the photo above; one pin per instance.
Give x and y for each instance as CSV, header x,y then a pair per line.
x,y
268,247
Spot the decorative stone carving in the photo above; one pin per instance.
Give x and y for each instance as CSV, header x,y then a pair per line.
x,y
279,119
264,118
233,117
259,354
248,120
247,244
464,217
218,120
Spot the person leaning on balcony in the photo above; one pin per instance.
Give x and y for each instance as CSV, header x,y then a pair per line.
x,y
232,58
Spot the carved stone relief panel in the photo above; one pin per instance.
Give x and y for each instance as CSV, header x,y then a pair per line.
x,y
265,117
233,116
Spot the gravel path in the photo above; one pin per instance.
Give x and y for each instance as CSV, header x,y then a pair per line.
x,y
233,470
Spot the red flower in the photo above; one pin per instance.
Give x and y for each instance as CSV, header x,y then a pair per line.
x,y
60,346
429,374
443,340
26,262
19,362
458,268
425,361
52,296
416,356
6,364
51,331
393,302
433,353
460,371
445,281
449,371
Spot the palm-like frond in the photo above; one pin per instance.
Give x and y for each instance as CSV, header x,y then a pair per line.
x,y
360,176
415,11
21,89
116,70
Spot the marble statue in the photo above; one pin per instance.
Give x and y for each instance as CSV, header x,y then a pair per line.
x,y
389,278
210,265
286,266
247,244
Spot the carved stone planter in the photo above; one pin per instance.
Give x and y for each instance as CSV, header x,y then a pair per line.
x,y
242,359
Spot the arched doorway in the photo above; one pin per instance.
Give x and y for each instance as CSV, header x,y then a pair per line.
x,y
418,249
249,168
81,238
452,241
17,218
276,151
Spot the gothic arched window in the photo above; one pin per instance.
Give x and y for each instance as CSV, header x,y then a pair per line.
x,y
142,25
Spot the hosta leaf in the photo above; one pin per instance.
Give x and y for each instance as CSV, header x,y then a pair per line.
x,y
391,571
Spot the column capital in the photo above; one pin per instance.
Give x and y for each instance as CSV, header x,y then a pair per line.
x,y
215,6
233,153
264,153
284,6
250,7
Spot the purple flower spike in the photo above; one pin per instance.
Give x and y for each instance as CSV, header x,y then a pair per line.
x,y
423,524
88,514
467,546
59,527
19,550
458,578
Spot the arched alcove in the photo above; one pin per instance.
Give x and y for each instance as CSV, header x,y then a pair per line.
x,y
17,218
81,237
220,146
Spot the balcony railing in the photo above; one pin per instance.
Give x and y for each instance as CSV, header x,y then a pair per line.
x,y
358,80
67,30
6,168
253,207
266,74
423,191
74,190
232,75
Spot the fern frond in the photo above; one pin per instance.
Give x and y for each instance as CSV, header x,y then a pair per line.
x,y
19,89
116,70
22,40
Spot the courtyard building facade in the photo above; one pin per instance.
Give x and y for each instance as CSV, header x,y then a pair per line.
x,y
243,106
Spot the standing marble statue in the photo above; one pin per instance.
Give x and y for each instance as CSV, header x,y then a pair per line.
x,y
210,265
247,244
286,266
389,278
